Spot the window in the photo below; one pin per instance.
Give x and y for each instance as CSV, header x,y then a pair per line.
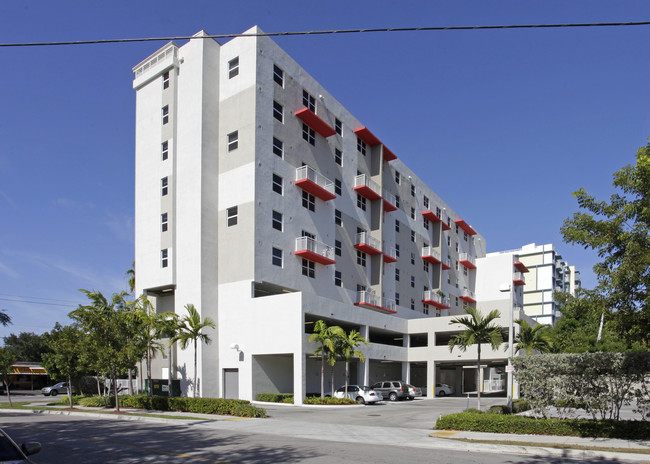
x,y
308,134
456,229
412,303
233,67
164,261
396,275
308,101
337,247
396,225
425,201
165,81
448,240
413,236
412,259
233,140
397,201
278,147
276,257
426,224
308,235
165,114
456,244
338,187
165,150
397,177
397,250
361,146
338,279
338,126
278,75
338,220
164,184
361,202
397,298
361,258
278,111
163,222
277,221
464,270
231,214
412,190
308,268
465,236
338,157
308,201
412,281
277,184
413,213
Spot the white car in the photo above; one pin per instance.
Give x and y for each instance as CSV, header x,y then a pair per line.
x,y
359,393
442,389
59,388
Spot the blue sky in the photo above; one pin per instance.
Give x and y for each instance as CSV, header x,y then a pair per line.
x,y
504,125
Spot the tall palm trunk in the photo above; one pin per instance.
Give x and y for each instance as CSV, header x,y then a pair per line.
x,y
479,378
70,391
169,375
150,392
322,375
347,374
195,343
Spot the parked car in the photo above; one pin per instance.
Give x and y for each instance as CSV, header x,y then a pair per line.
x,y
360,393
396,390
59,388
442,389
11,452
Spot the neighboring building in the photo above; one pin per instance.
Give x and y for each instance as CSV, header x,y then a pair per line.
x,y
262,201
548,274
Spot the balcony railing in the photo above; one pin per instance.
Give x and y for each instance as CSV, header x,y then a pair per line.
x,y
518,278
468,296
313,250
431,255
367,187
316,184
390,255
367,244
390,202
369,299
467,260
172,50
433,298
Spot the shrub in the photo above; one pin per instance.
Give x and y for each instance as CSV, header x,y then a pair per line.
x,y
328,400
63,400
520,405
498,409
500,423
275,397
97,401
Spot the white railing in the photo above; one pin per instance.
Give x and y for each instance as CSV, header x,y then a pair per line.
x,y
492,385
370,298
171,50
364,238
433,295
364,181
468,293
392,252
467,257
319,248
430,251
389,197
518,276
305,172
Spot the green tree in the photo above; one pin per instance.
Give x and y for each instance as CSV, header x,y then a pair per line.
x,y
131,275
65,358
26,346
327,339
191,331
532,338
7,360
347,349
619,231
479,329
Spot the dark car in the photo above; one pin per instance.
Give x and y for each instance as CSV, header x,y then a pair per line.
x,y
11,452
396,390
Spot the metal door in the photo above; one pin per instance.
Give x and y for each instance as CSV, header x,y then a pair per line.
x,y
231,384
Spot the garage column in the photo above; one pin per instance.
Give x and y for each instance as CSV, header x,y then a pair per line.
x,y
299,377
431,378
364,367
406,367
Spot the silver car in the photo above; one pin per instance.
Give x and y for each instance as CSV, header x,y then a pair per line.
x,y
61,387
359,393
396,390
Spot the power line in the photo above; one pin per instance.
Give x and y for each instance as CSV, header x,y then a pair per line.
x,y
331,31
37,298
37,302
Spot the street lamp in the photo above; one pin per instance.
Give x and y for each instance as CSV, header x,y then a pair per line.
x,y
511,333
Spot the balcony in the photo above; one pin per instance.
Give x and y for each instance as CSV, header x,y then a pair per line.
x,y
313,250
446,264
390,202
390,256
431,255
433,298
367,244
466,227
369,300
468,296
433,217
367,187
309,117
518,279
364,134
315,183
468,261
521,267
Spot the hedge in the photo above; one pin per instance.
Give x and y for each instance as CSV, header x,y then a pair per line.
x,y
328,400
218,406
500,423
275,397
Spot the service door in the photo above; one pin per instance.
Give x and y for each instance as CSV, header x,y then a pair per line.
x,y
231,384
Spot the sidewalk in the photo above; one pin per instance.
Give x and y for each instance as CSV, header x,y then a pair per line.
x,y
588,449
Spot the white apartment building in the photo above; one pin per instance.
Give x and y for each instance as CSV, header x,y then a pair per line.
x,y
262,201
548,273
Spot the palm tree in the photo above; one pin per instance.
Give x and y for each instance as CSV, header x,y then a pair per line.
x,y
327,338
190,330
532,338
131,274
348,350
5,319
171,329
478,329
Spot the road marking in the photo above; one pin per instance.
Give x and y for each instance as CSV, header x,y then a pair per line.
x,y
444,433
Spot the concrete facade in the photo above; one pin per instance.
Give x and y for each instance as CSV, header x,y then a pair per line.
x,y
262,201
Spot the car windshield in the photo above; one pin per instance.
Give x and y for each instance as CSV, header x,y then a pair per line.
x,y
365,389
8,451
